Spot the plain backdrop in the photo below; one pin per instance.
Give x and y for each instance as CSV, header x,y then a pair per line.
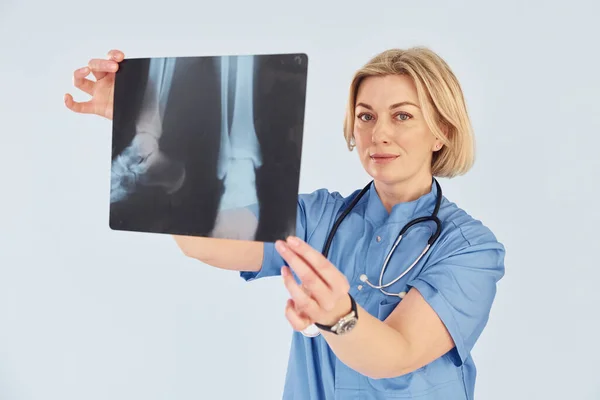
x,y
90,313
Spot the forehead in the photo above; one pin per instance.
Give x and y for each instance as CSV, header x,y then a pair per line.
x,y
385,90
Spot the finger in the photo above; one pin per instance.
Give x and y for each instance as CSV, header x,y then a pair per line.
x,y
100,67
298,322
330,275
116,55
85,107
305,304
80,81
311,280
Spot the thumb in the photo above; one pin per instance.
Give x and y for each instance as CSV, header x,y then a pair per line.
x,y
86,107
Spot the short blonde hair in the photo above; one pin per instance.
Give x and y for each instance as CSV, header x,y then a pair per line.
x,y
442,102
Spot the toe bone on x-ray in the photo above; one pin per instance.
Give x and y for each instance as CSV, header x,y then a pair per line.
x,y
144,164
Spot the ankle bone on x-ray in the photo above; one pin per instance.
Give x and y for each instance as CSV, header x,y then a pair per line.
x,y
240,151
142,162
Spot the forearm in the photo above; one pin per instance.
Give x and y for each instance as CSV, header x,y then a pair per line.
x,y
227,254
372,348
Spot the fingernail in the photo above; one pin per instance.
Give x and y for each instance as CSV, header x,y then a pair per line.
x,y
280,246
294,241
83,70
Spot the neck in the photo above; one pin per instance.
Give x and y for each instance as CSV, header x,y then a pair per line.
x,y
403,192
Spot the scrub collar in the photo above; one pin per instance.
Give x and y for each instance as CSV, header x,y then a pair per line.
x,y
376,212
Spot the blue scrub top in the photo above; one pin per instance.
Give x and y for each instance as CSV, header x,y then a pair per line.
x,y
457,277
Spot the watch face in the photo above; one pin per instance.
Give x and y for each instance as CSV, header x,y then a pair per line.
x,y
347,326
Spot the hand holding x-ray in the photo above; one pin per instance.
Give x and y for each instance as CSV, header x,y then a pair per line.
x,y
101,89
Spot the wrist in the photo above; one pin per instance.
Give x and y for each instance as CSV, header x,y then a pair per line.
x,y
343,308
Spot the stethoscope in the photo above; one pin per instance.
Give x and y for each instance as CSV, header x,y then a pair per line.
x,y
312,330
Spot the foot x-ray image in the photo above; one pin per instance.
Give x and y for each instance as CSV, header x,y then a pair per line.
x,y
208,146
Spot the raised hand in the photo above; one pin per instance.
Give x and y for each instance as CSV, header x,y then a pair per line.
x,y
322,295
101,90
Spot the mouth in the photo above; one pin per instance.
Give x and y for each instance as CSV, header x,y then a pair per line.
x,y
381,158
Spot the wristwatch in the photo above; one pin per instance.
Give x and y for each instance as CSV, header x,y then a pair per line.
x,y
345,324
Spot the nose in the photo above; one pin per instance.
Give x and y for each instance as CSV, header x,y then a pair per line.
x,y
381,132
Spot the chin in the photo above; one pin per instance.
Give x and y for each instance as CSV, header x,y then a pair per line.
x,y
388,177
383,173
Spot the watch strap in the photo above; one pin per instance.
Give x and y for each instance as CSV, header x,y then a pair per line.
x,y
328,328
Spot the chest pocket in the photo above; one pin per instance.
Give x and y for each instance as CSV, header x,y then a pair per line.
x,y
385,306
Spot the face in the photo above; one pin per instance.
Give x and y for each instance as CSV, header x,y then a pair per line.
x,y
392,139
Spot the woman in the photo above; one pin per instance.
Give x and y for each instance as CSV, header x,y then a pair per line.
x,y
407,118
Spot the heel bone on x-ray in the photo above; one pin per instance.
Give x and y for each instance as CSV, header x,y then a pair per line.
x,y
208,146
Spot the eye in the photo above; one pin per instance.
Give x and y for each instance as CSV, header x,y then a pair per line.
x,y
403,116
365,117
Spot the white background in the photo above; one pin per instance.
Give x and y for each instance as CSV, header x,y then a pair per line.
x,y
90,313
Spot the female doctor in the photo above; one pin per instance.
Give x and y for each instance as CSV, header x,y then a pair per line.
x,y
391,286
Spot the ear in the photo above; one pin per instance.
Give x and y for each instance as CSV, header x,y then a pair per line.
x,y
437,143
352,143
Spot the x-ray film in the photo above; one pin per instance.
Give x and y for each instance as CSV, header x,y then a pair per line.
x,y
208,146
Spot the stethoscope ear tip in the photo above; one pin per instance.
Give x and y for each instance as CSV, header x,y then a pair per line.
x,y
363,278
311,331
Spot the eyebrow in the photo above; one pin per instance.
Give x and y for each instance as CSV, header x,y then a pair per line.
x,y
396,105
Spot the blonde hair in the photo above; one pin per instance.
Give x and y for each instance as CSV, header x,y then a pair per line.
x,y
441,99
